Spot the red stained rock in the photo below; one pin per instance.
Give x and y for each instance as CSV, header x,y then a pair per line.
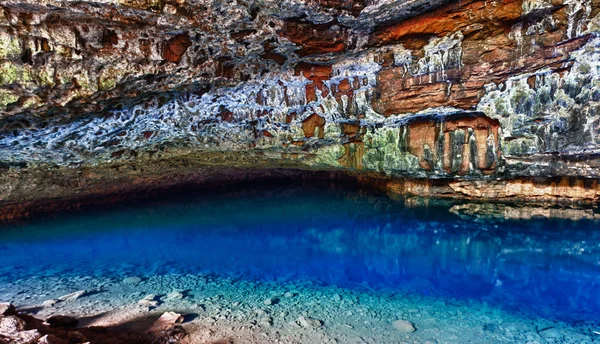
x,y
468,16
458,143
314,123
489,54
176,47
317,74
315,39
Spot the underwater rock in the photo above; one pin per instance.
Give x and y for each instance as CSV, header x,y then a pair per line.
x,y
404,326
49,303
73,296
174,295
307,322
133,280
149,301
270,301
550,333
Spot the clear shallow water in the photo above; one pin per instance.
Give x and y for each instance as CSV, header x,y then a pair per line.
x,y
549,268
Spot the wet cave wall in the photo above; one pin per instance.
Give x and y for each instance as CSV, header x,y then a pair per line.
x,y
479,99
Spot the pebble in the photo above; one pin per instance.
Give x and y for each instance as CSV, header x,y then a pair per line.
x,y
404,326
288,295
337,297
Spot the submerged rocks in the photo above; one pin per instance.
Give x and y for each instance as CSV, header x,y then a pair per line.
x,y
148,301
307,322
134,280
73,296
270,301
49,303
404,326
174,295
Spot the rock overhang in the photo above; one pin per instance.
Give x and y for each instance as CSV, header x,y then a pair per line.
x,y
463,91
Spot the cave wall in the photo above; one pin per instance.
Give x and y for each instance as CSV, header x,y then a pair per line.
x,y
462,91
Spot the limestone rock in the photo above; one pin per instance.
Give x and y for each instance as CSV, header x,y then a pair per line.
x,y
10,326
7,309
470,99
167,321
50,339
133,280
27,337
175,295
49,303
404,326
307,322
270,301
149,301
73,296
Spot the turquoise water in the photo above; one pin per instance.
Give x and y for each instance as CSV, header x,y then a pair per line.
x,y
331,236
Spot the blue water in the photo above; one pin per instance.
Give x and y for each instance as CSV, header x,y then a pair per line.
x,y
328,235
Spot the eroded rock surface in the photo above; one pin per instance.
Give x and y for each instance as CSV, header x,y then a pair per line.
x,y
476,98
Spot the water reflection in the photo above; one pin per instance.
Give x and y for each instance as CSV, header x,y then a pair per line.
x,y
331,236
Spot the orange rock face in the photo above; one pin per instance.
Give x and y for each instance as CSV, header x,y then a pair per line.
x,y
315,39
176,47
473,17
457,145
489,52
316,74
313,126
526,190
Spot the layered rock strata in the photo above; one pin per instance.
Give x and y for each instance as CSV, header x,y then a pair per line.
x,y
476,99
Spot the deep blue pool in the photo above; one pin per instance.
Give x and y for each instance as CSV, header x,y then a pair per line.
x,y
329,235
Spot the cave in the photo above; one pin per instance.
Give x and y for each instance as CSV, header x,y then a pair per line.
x,y
301,171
